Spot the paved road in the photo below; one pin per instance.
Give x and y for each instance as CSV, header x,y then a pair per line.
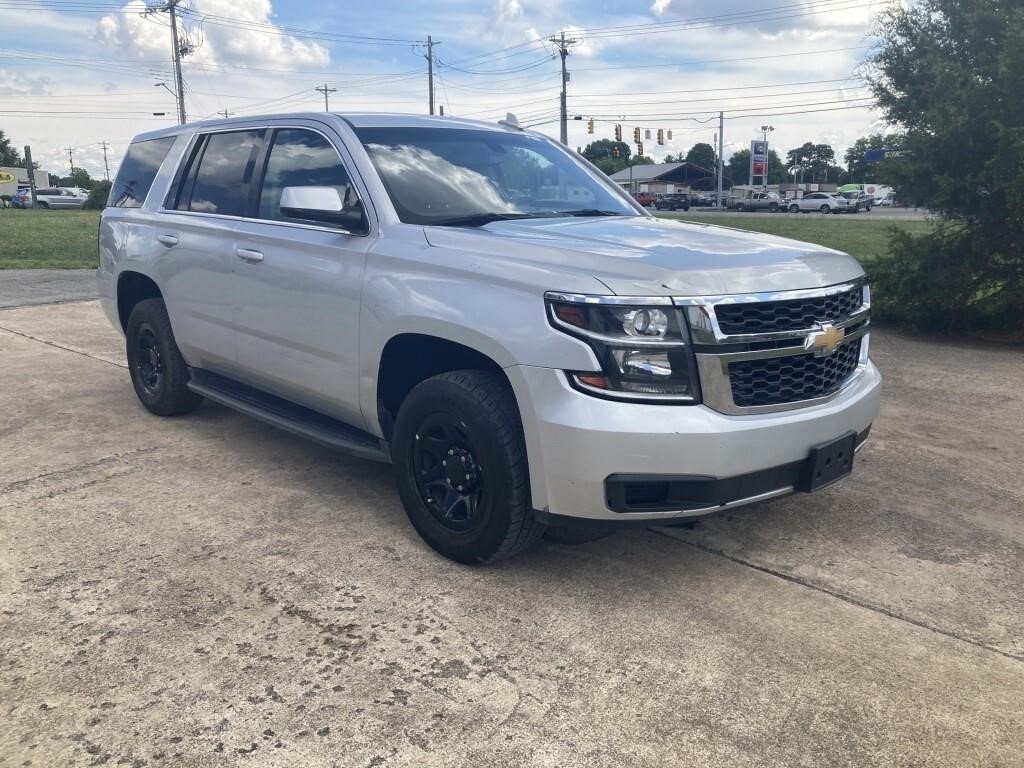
x,y
208,591
22,287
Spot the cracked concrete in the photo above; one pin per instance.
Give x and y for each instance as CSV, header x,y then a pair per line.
x,y
207,591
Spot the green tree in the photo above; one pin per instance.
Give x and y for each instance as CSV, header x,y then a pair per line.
x,y
601,153
860,171
737,170
79,178
97,199
702,155
9,154
814,162
949,74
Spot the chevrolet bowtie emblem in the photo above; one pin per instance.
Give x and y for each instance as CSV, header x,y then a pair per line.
x,y
824,342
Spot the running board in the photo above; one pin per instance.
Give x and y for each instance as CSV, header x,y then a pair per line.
x,y
286,415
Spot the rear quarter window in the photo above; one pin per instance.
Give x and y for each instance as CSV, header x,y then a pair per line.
x,y
138,169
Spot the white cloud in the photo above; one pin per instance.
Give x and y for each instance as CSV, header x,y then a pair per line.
x,y
250,37
509,9
13,83
658,7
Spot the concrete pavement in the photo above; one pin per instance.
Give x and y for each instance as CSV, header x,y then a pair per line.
x,y
209,591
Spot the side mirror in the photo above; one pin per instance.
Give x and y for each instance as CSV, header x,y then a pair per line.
x,y
323,204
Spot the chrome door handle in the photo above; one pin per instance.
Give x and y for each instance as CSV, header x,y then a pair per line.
x,y
245,254
168,240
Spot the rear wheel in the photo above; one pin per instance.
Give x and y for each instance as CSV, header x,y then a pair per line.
x,y
42,204
159,372
740,207
824,209
461,467
794,208
773,207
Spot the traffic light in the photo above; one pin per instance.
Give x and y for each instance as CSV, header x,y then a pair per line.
x,y
639,149
661,136
618,132
670,134
636,135
615,151
590,126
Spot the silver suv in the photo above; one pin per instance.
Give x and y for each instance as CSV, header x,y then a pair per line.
x,y
481,307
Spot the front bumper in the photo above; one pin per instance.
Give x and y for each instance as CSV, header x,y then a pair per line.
x,y
576,442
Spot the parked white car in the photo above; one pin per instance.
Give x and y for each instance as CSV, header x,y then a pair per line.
x,y
825,202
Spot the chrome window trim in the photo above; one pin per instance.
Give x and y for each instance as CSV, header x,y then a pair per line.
x,y
197,136
586,298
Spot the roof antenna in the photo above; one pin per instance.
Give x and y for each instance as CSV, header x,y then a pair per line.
x,y
511,121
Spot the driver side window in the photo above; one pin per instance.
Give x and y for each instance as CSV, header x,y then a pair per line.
x,y
302,158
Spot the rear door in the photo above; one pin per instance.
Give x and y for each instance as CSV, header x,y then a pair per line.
x,y
198,230
300,283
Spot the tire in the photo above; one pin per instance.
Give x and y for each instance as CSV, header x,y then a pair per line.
x,y
825,209
740,208
469,417
159,372
794,208
44,206
773,208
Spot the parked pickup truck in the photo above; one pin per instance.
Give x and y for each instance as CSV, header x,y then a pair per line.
x,y
758,201
480,307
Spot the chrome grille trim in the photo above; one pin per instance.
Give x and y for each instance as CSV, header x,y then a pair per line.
x,y
713,366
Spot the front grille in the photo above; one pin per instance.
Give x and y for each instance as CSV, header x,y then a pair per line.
x,y
778,380
787,315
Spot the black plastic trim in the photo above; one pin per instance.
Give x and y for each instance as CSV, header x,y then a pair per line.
x,y
666,493
289,416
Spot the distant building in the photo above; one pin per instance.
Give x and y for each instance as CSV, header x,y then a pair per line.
x,y
12,178
662,178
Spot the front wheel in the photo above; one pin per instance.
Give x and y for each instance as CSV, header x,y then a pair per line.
x,y
794,208
740,208
460,464
773,208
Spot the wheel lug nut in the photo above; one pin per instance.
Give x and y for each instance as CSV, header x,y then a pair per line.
x,y
444,463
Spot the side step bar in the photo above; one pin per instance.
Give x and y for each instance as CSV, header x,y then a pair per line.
x,y
288,416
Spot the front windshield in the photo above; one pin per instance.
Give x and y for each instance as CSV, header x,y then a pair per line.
x,y
449,175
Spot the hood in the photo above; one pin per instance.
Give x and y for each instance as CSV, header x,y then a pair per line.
x,y
646,256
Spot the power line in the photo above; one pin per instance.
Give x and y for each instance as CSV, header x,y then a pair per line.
x,y
178,49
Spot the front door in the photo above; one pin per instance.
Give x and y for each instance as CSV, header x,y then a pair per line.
x,y
298,283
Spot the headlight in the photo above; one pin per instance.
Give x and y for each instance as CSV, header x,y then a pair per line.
x,y
644,348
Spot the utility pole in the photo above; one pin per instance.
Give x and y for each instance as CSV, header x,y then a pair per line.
x,y
563,46
225,113
31,168
721,156
106,164
71,159
430,71
325,90
177,49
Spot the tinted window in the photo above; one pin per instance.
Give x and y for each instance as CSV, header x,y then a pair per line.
x,y
138,169
218,181
300,158
440,175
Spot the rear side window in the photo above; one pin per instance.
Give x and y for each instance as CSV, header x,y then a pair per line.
x,y
138,169
220,173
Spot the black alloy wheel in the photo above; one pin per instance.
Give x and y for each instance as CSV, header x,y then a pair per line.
x,y
447,473
149,365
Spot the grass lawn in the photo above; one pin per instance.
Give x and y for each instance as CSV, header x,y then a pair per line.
x,y
50,239
67,239
861,238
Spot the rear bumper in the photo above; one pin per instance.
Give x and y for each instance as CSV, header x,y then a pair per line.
x,y
580,446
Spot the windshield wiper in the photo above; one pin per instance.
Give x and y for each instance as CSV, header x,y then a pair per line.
x,y
590,212
478,219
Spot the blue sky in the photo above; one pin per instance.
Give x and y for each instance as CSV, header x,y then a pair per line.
x,y
76,73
